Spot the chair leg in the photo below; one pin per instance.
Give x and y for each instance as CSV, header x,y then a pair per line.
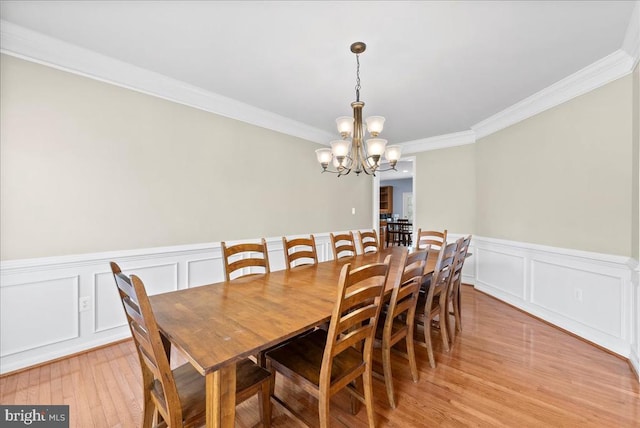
x,y
453,324
411,354
323,408
444,326
427,341
272,380
388,379
355,403
368,396
264,400
150,413
457,307
151,417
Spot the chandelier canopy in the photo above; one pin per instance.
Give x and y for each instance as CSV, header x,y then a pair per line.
x,y
352,153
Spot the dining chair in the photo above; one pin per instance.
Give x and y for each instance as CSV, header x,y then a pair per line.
x,y
456,281
405,232
298,249
397,322
239,256
325,362
436,242
177,397
433,303
343,243
393,233
430,237
368,241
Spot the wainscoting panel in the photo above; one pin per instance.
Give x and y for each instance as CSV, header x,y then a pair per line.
x,y
37,314
40,314
204,271
108,308
588,294
586,297
505,272
634,359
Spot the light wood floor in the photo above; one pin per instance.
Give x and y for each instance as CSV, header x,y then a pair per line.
x,y
505,369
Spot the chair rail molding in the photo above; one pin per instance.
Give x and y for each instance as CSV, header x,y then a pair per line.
x,y
588,294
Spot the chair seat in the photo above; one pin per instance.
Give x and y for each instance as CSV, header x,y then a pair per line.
x,y
191,386
303,356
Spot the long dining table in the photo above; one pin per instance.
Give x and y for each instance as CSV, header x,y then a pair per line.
x,y
217,325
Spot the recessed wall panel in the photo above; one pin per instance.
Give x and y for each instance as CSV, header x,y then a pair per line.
x,y
108,308
204,271
504,272
591,298
38,314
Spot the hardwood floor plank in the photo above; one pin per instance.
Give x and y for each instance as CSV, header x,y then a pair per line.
x,y
122,395
8,386
505,369
22,385
44,385
56,383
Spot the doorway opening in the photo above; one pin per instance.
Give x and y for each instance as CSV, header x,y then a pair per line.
x,y
394,195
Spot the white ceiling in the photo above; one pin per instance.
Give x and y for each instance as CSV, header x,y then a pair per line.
x,y
431,68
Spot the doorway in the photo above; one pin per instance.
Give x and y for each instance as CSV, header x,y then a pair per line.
x,y
403,185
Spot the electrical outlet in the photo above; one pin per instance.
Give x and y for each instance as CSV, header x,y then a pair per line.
x,y
353,211
578,294
84,304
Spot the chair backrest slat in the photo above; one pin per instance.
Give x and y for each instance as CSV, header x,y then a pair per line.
x,y
248,259
463,247
430,237
300,252
369,241
443,272
343,243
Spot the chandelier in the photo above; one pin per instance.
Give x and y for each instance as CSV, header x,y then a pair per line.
x,y
352,153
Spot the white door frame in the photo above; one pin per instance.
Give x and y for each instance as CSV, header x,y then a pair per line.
x,y
376,196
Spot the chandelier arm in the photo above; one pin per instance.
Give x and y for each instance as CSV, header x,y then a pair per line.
x,y
392,168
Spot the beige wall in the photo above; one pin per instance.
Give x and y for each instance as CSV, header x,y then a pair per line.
x,y
88,167
445,189
563,177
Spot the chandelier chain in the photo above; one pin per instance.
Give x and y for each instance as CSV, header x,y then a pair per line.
x,y
358,78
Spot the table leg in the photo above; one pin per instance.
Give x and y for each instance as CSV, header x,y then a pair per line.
x,y
221,397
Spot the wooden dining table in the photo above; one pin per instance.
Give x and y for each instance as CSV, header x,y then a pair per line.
x,y
217,325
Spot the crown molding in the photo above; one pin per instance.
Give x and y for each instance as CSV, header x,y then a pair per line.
x,y
601,72
439,142
631,43
23,43
36,47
